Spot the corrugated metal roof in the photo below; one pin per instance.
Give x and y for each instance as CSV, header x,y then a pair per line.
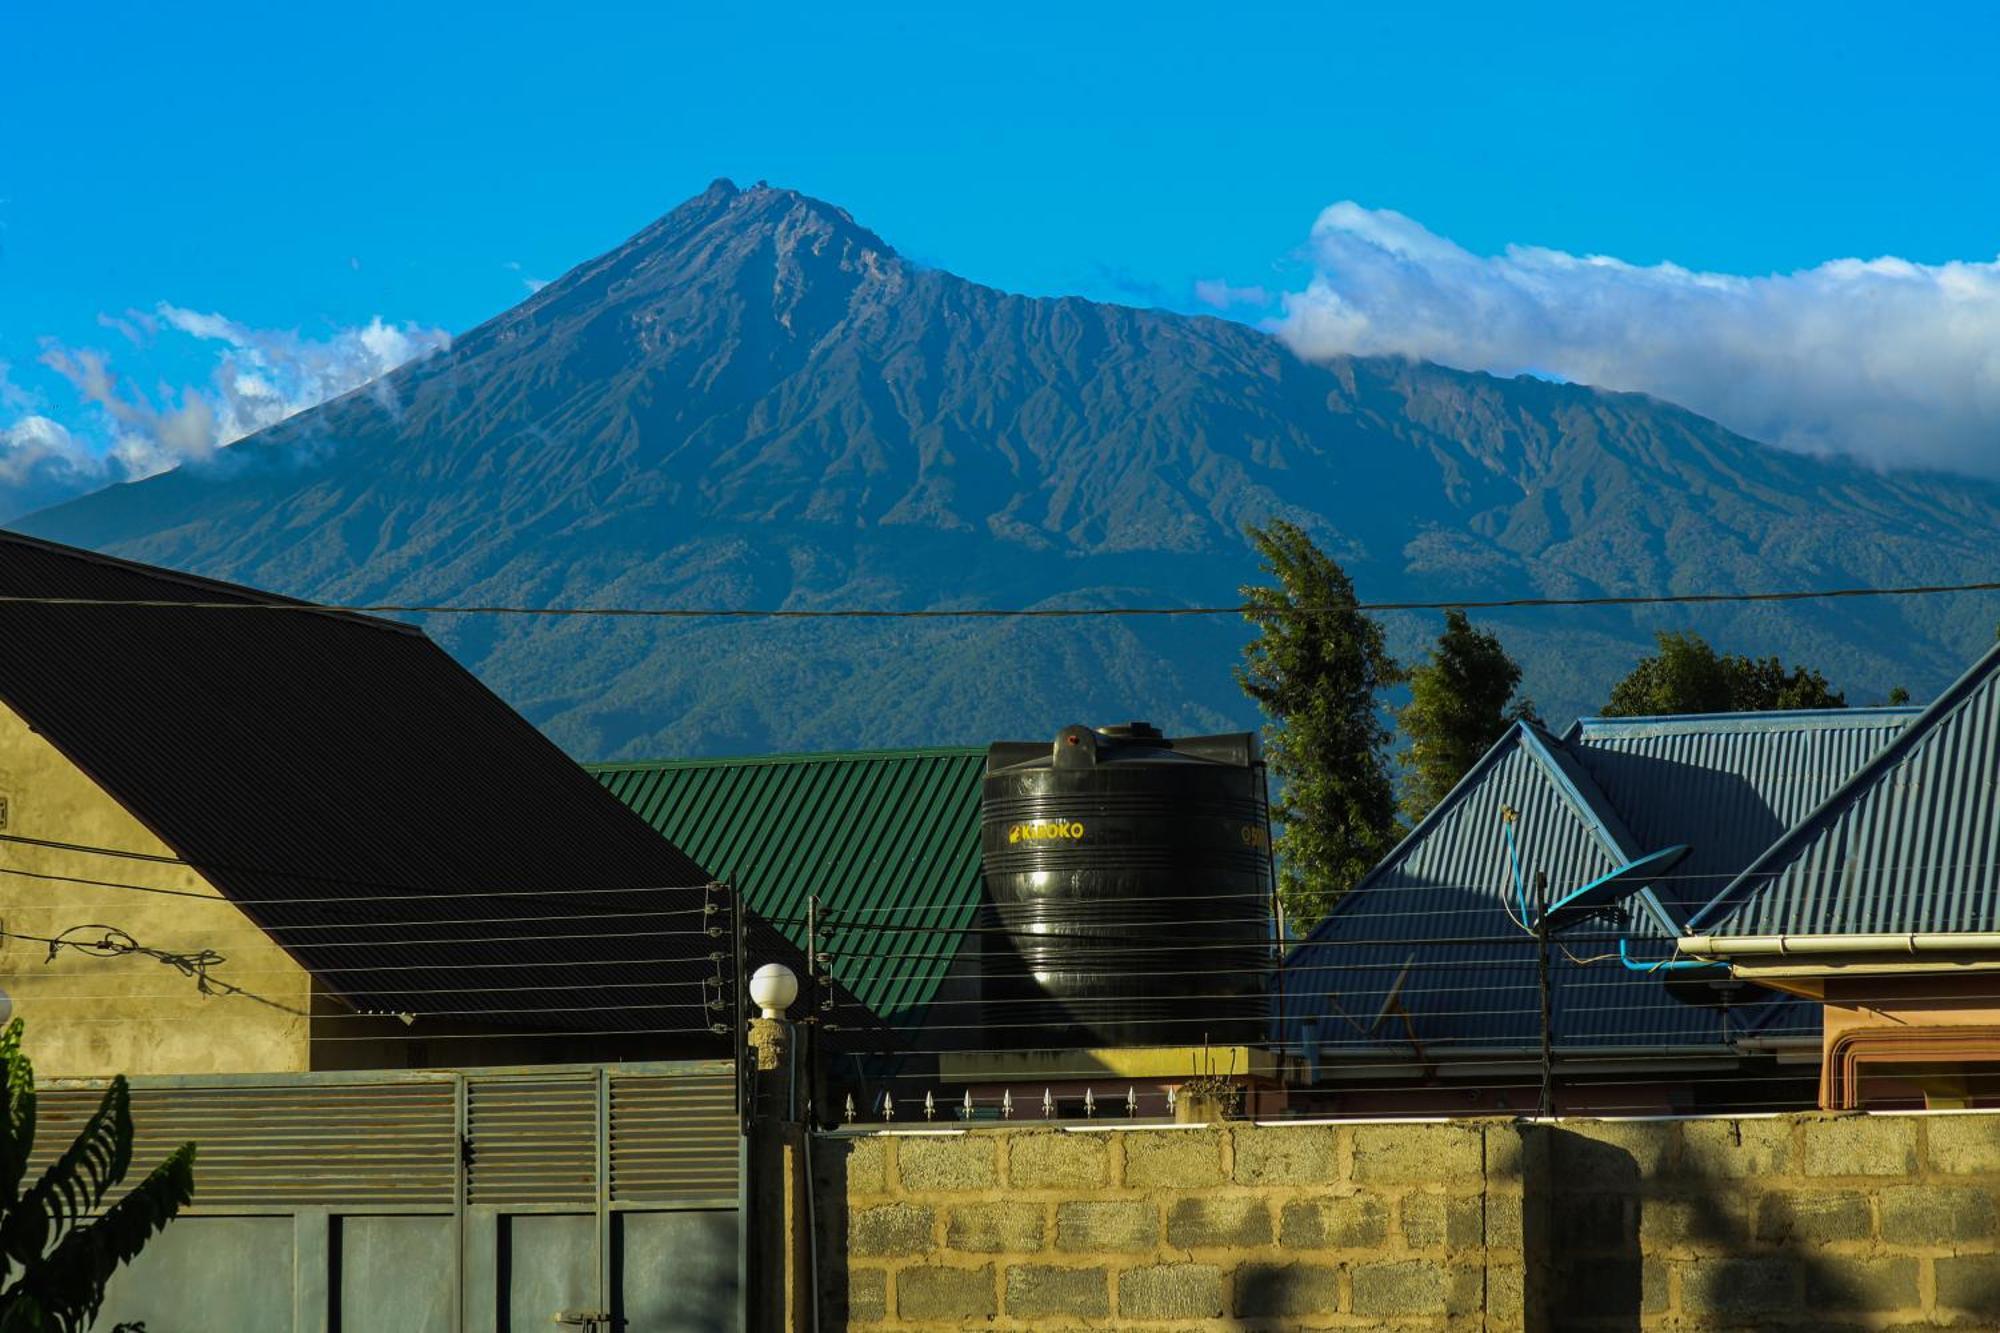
x,y
887,839
1727,785
1909,844
1442,902
357,794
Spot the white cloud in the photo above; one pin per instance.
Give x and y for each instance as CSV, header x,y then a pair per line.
x,y
1222,296
261,376
41,463
1893,362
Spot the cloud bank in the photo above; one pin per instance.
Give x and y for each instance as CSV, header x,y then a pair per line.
x,y
1892,362
261,376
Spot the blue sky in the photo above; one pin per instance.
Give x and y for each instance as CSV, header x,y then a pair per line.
x,y
314,171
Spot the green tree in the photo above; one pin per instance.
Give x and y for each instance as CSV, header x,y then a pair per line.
x,y
1686,675
1316,668
55,1258
1461,702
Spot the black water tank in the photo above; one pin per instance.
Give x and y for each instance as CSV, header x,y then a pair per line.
x,y
1131,876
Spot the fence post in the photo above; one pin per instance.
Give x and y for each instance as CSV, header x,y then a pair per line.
x,y
781,1299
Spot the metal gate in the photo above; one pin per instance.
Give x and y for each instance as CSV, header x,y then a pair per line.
x,y
598,1199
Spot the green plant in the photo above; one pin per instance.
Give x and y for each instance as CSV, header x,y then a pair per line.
x,y
1461,701
1316,668
1688,676
55,1256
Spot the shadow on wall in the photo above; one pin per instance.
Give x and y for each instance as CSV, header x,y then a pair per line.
x,y
1600,1229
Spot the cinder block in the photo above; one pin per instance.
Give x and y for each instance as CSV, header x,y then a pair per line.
x,y
1286,1155
1742,1286
1171,1291
1600,1155
865,1163
995,1228
890,1228
944,1295
1287,1289
1419,1154
1970,1283
1736,1149
1964,1144
1814,1217
946,1164
1180,1158
1935,1215
1209,1223
1861,1145
1843,1285
1037,1291
1057,1161
1359,1221
867,1295
1413,1287
1706,1221
1118,1225
1435,1219
1585,1223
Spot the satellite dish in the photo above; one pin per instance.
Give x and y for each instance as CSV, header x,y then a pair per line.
x,y
1395,989
1608,889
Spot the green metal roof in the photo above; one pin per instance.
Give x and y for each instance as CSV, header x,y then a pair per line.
x,y
888,839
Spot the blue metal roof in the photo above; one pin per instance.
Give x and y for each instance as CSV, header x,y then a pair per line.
x,y
1909,844
1726,784
1441,904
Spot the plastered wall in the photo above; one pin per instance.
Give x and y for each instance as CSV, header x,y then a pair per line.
x,y
133,1014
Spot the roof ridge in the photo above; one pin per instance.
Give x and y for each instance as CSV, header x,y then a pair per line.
x,y
787,757
241,591
1940,710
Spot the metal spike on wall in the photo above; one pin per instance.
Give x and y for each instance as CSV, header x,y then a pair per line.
x,y
1131,1101
967,1112
1048,1104
1170,1101
930,1105
888,1106
850,1108
1006,1103
1089,1104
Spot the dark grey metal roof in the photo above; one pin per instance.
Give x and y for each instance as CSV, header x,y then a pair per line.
x,y
1443,903
401,832
1726,785
1909,844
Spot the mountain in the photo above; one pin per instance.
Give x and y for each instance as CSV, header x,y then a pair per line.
x,y
755,402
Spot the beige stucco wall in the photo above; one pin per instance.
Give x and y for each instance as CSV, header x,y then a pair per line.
x,y
128,1014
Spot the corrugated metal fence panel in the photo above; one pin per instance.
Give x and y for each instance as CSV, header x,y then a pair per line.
x,y
390,1144
533,1139
673,1139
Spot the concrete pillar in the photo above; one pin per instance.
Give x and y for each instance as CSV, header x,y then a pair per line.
x,y
781,1292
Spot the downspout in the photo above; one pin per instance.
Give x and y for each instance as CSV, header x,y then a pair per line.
x,y
1665,964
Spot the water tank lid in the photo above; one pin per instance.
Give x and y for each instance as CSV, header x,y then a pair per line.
x,y
1142,731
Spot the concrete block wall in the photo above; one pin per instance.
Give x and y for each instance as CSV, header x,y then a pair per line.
x,y
1800,1222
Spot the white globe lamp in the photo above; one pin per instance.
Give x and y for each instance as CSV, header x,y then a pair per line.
x,y
773,987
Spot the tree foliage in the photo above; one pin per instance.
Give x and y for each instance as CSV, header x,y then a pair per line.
x,y
55,1257
1686,675
1461,702
1316,668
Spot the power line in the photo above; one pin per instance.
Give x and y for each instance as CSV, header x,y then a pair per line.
x,y
978,613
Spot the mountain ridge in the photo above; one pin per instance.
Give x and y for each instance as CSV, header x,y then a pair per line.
x,y
756,401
